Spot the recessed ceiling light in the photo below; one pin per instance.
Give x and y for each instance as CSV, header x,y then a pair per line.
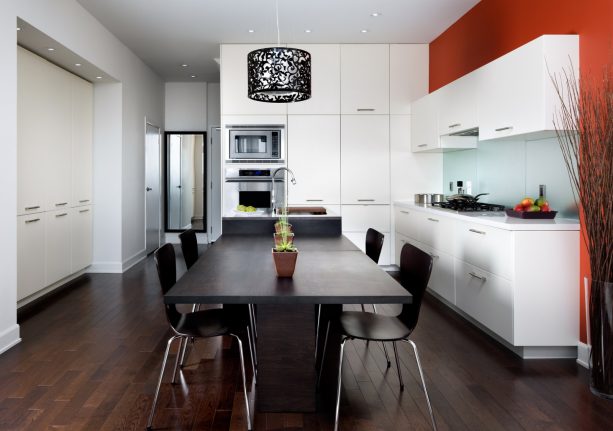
x,y
50,49
364,31
251,31
184,65
375,14
194,76
78,64
98,77
18,28
307,31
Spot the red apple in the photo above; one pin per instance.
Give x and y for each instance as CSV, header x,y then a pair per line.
x,y
545,208
518,208
527,202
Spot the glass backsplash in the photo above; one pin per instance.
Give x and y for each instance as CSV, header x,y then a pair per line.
x,y
512,170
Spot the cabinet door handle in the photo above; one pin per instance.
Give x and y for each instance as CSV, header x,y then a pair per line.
x,y
366,200
148,189
500,129
34,220
32,208
61,215
82,201
84,211
478,277
314,200
422,145
404,212
432,219
365,109
451,126
480,232
61,204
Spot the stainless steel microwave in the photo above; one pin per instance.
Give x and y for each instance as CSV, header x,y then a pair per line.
x,y
255,142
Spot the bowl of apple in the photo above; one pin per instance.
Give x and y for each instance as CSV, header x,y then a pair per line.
x,y
529,208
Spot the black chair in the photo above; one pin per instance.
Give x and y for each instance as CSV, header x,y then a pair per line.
x,y
199,324
415,269
189,247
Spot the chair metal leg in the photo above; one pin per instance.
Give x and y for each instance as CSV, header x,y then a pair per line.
x,y
423,382
157,389
317,330
178,359
374,308
240,351
363,309
183,352
398,366
253,323
338,387
387,357
323,355
251,351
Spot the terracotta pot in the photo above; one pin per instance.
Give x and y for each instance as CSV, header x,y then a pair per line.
x,y
279,228
285,262
289,238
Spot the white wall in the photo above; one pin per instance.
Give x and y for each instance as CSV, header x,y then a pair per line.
x,y
122,145
213,104
186,106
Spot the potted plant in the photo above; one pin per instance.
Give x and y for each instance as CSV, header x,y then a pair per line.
x,y
284,253
584,127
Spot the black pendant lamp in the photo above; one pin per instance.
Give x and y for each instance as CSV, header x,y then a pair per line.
x,y
278,74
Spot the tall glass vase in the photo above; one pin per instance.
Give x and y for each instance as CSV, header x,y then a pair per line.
x,y
601,328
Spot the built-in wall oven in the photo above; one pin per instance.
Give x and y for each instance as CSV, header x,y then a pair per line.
x,y
255,142
250,187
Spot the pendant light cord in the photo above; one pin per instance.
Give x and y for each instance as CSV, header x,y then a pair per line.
x,y
278,32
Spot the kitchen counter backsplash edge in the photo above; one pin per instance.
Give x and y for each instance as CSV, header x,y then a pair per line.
x,y
501,222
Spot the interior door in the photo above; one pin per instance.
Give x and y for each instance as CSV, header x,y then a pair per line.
x,y
153,197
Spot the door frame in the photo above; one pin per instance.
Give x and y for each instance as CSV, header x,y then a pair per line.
x,y
159,176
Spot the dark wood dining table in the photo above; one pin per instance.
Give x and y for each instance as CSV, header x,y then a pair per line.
x,y
332,271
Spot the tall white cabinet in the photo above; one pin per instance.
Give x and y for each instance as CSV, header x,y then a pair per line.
x,y
54,175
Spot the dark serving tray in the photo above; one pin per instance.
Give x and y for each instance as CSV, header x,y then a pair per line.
x,y
531,215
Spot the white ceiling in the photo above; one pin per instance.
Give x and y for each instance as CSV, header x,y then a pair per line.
x,y
168,33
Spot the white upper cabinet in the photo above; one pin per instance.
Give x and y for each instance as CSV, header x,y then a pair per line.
x,y
365,159
82,130
325,81
365,79
424,123
408,75
314,155
516,94
234,100
458,110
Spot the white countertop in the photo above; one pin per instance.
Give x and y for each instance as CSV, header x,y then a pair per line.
x,y
498,220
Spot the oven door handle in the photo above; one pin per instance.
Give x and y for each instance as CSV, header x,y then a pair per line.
x,y
252,180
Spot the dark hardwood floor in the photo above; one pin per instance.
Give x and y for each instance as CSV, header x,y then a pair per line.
x,y
90,358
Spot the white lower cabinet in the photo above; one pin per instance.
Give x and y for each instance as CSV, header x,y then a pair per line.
x,y
57,245
485,297
30,254
81,238
359,239
357,219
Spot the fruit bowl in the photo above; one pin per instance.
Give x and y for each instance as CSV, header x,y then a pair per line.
x,y
543,215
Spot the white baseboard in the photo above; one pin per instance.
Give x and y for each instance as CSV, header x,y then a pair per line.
x,y
105,268
583,354
133,260
9,338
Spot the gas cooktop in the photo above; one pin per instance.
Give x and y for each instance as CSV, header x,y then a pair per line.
x,y
468,207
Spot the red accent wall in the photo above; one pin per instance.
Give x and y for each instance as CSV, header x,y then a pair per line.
x,y
494,27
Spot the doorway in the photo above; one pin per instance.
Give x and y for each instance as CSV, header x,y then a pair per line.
x,y
153,195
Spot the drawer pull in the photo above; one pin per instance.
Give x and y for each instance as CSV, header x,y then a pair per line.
x,y
478,277
32,208
422,145
451,126
366,200
61,215
366,109
501,129
432,219
404,212
434,256
314,200
83,201
480,232
84,211
34,220
61,204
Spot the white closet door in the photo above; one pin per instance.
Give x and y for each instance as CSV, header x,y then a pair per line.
x,y
30,254
82,131
57,245
81,238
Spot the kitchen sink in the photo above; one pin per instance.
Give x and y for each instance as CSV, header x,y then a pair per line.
x,y
305,211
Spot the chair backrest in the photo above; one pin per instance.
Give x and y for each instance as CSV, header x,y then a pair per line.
x,y
165,262
415,270
374,244
189,246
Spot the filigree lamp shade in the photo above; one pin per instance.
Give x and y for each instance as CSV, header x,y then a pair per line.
x,y
279,75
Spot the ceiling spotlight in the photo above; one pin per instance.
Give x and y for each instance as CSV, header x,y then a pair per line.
x,y
98,77
18,28
184,65
364,31
194,76
78,64
50,49
307,31
251,31
375,14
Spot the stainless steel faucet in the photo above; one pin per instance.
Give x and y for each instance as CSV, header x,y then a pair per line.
x,y
272,195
